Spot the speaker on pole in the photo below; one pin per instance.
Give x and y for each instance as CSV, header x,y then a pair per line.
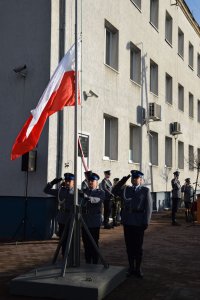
x,y
29,160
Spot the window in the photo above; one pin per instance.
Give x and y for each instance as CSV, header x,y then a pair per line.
x,y
112,37
180,155
191,55
135,63
180,43
168,28
180,97
191,157
198,111
134,143
198,157
137,3
168,151
154,147
154,10
168,88
110,137
191,105
153,77
198,64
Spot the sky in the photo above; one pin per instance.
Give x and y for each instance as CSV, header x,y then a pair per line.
x,y
194,6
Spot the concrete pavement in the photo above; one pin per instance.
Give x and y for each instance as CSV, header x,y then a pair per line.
x,y
171,261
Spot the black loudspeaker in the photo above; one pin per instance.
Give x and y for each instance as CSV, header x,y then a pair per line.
x,y
29,161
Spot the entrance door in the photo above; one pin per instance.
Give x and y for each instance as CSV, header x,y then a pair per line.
x,y
84,141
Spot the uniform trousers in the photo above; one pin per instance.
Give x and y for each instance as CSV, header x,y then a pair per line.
x,y
107,210
91,255
134,236
60,233
175,203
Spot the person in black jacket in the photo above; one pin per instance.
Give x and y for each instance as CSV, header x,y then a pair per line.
x,y
91,206
65,197
136,215
106,186
188,191
176,196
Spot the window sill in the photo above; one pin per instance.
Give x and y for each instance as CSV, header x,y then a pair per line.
x,y
181,56
136,83
139,8
133,162
170,104
191,67
154,26
111,68
156,95
109,159
168,42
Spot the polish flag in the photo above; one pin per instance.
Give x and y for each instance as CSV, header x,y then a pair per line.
x,y
60,92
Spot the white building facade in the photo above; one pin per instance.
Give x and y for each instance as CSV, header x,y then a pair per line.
x,y
140,59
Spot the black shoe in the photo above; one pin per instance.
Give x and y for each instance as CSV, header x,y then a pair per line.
x,y
108,226
139,274
175,224
130,273
115,224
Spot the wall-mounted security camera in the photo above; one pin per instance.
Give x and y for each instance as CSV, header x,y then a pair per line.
x,y
21,70
93,94
90,94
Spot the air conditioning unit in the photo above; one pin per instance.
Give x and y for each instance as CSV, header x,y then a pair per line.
x,y
175,128
154,111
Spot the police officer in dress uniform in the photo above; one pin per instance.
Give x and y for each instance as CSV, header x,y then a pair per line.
x,y
65,197
106,186
176,196
91,206
84,184
136,216
116,206
188,191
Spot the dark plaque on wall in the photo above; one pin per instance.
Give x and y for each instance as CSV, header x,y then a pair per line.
x,y
84,141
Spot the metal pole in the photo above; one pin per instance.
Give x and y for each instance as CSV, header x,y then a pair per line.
x,y
76,240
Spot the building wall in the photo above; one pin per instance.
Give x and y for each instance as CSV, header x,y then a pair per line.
x,y
25,29
32,37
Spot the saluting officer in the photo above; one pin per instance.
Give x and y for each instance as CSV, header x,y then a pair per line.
x,y
106,186
116,206
65,197
176,196
84,184
91,207
136,214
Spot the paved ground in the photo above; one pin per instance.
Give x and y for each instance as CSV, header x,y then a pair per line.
x,y
171,262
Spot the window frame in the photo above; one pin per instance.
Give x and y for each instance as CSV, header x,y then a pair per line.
x,y
111,46
135,57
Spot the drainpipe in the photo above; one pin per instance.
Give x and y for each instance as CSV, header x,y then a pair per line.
x,y
60,113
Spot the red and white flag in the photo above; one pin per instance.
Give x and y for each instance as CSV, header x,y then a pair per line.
x,y
60,92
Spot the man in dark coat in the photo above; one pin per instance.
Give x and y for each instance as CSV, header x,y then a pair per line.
x,y
136,214
176,196
91,206
106,186
84,184
188,191
65,197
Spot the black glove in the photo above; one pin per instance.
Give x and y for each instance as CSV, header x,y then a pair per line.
x,y
124,179
55,181
80,193
145,226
